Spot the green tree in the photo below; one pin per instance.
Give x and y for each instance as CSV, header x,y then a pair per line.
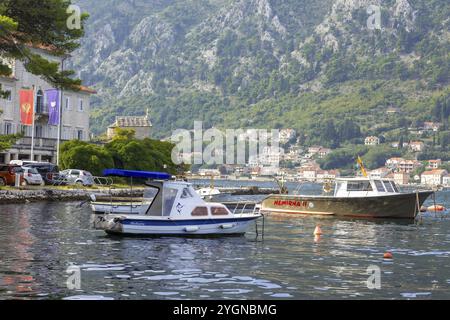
x,y
25,24
445,140
400,143
124,134
376,157
147,155
82,155
7,141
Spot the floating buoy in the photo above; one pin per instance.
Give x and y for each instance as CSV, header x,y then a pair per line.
x,y
423,209
388,255
437,208
318,231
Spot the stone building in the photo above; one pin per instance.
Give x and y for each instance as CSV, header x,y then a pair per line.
x,y
141,125
75,114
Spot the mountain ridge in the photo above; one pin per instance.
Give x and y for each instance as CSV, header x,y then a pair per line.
x,y
281,61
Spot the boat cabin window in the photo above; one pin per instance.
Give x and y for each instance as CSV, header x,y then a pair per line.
x,y
379,186
170,195
359,186
200,212
186,194
388,186
219,211
394,185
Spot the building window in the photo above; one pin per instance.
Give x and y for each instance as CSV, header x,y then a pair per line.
x,y
80,105
80,134
68,107
39,131
66,133
40,102
8,128
7,94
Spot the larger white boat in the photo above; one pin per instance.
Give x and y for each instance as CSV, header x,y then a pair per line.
x,y
353,197
173,208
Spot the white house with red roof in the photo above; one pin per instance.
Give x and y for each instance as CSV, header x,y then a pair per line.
x,y
434,164
433,177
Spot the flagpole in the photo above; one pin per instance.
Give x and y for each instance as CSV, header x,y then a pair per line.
x,y
32,131
58,142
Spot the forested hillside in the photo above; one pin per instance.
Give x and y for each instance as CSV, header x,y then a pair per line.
x,y
311,65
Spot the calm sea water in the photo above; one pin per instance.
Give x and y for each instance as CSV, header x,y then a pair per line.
x,y
38,242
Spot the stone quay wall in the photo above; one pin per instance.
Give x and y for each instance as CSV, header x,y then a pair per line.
x,y
26,196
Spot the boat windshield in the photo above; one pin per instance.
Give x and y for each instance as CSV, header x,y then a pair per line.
x,y
170,194
359,186
394,185
150,194
379,186
388,186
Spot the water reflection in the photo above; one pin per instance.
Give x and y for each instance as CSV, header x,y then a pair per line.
x,y
38,242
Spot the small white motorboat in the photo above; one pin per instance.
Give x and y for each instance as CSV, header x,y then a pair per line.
x,y
173,208
208,193
114,205
99,207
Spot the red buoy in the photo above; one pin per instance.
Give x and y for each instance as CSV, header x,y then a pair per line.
x,y
388,255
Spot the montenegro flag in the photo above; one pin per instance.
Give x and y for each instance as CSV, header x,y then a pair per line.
x,y
26,98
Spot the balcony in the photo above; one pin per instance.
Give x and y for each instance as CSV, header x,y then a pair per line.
x,y
41,114
39,143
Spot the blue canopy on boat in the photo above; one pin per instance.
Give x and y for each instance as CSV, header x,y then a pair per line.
x,y
137,174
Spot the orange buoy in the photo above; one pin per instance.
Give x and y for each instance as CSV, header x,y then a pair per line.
x,y
318,231
388,255
437,208
317,239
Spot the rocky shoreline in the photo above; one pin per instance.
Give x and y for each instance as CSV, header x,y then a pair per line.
x,y
26,196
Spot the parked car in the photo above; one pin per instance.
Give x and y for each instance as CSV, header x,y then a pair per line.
x,y
80,177
8,175
23,162
32,176
49,172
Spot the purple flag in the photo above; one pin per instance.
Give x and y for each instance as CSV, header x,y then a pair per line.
x,y
53,103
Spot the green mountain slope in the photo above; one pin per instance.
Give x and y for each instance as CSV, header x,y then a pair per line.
x,y
266,63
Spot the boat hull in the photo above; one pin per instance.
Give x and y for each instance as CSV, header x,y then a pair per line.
x,y
398,206
128,226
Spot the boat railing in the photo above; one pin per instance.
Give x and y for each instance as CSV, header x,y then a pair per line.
x,y
244,207
103,181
